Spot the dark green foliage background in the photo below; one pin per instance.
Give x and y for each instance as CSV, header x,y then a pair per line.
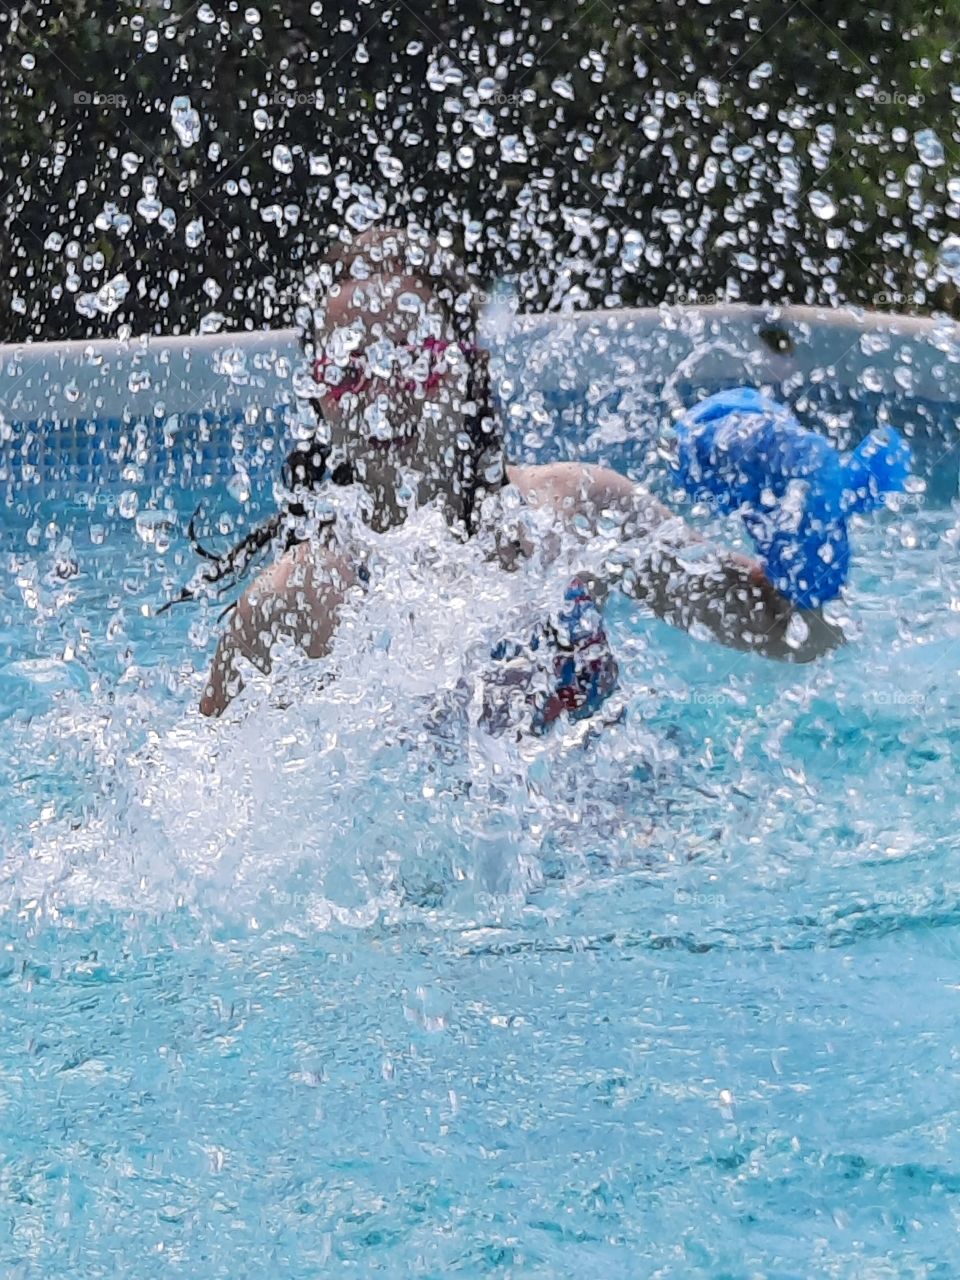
x,y
644,152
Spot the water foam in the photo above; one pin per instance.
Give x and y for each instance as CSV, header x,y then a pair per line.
x,y
339,791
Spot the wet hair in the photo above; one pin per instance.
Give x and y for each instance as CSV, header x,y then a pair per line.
x,y
410,253
304,470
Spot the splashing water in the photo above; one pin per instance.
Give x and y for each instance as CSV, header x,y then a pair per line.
x,y
342,980
345,901
329,740
471,901
185,120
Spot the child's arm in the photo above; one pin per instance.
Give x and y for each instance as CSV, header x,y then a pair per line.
x,y
299,598
657,559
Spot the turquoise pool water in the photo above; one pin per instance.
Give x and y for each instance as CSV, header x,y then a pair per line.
x,y
309,995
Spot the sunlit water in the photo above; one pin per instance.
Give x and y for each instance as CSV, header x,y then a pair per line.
x,y
313,987
340,983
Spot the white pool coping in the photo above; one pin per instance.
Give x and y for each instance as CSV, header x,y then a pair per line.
x,y
148,378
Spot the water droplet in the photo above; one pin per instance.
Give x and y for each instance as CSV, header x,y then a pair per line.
x,y
282,159
826,136
562,87
822,205
362,214
194,233
512,150
28,62
128,504
111,295
130,162
185,121
484,126
149,208
206,14
153,528
760,74
54,241
391,168
151,42
252,16
261,120
949,258
231,363
579,221
929,148
238,486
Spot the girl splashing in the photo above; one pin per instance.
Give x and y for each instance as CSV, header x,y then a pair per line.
x,y
402,391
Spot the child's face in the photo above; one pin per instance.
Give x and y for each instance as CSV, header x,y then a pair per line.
x,y
390,387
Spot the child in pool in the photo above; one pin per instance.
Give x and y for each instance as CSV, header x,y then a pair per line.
x,y
403,389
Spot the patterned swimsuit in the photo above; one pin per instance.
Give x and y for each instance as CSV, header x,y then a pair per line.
x,y
565,666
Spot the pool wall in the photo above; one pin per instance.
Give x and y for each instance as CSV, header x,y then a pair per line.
x,y
138,411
